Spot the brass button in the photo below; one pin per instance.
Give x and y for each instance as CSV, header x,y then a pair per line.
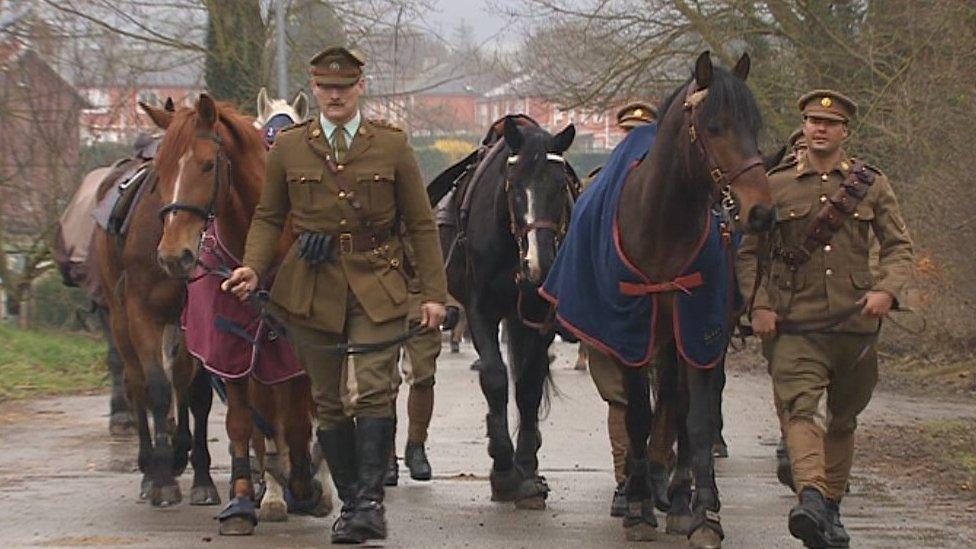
x,y
342,195
316,132
376,177
857,215
394,263
340,167
824,177
829,272
302,180
792,213
827,248
845,166
343,222
823,198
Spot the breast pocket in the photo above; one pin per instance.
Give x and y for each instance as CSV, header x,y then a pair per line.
x,y
303,184
377,191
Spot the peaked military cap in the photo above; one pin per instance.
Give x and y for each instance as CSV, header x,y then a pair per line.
x,y
337,66
636,114
827,104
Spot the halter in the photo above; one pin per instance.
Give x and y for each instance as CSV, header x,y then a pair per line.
x,y
721,177
208,213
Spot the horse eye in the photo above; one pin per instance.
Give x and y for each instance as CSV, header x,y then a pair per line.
x,y
207,166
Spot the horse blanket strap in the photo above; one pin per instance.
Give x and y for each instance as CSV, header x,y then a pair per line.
x,y
831,218
230,338
604,300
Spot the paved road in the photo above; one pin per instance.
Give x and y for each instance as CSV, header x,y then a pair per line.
x,y
65,482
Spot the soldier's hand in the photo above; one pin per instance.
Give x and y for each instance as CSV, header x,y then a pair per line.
x,y
432,314
764,322
242,282
877,303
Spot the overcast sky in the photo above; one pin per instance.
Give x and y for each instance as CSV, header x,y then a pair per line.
x,y
487,23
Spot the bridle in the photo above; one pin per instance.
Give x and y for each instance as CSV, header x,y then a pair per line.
x,y
221,165
723,178
518,227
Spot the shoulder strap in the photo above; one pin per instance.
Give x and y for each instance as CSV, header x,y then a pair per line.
x,y
831,218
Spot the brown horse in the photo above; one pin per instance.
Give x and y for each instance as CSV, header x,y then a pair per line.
x,y
210,166
705,154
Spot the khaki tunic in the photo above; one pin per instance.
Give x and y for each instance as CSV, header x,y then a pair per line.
x,y
838,275
389,186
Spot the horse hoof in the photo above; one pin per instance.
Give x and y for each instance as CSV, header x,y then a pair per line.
x,y
166,496
641,531
145,489
678,525
533,503
204,495
705,538
532,494
273,511
504,485
236,526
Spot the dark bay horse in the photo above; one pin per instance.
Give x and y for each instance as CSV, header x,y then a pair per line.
x,y
705,155
211,170
516,212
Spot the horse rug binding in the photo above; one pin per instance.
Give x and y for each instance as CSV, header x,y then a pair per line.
x,y
230,338
606,301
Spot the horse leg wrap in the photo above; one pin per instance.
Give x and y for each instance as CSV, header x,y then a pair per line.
x,y
240,468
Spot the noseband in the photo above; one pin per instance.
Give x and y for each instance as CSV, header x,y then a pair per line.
x,y
221,164
721,177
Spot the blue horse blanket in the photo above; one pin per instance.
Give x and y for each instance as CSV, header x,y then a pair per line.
x,y
609,303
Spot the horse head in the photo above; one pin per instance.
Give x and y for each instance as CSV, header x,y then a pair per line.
x,y
720,118
275,114
208,153
536,185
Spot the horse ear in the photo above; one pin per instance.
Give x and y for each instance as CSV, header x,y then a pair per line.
x,y
742,67
160,117
703,70
513,137
262,103
169,106
207,110
562,140
773,160
300,104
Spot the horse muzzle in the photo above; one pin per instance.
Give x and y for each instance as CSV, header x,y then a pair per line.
x,y
761,218
178,263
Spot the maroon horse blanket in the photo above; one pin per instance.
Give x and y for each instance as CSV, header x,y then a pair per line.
x,y
228,336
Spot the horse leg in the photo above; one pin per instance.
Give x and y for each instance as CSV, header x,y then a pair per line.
x,y
305,495
706,532
178,364
530,362
201,399
679,519
269,465
239,517
639,523
493,378
719,448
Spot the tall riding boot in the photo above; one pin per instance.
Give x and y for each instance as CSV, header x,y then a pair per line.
x,y
339,448
392,475
420,408
374,439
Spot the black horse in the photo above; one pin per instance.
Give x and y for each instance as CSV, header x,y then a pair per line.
x,y
512,211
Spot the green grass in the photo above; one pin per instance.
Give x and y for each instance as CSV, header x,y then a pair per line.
x,y
40,363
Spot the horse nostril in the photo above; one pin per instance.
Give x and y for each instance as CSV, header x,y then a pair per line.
x,y
187,259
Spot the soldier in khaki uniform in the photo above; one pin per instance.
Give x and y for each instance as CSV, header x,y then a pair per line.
x,y
825,366
347,182
607,376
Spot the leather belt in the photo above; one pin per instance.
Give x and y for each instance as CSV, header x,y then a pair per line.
x,y
362,241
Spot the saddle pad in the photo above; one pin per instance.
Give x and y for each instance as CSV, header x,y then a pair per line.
x,y
606,301
227,335
112,211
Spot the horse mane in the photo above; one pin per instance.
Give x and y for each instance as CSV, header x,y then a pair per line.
x,y
182,131
727,94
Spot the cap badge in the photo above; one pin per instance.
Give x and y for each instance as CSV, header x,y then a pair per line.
x,y
826,102
638,112
334,66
